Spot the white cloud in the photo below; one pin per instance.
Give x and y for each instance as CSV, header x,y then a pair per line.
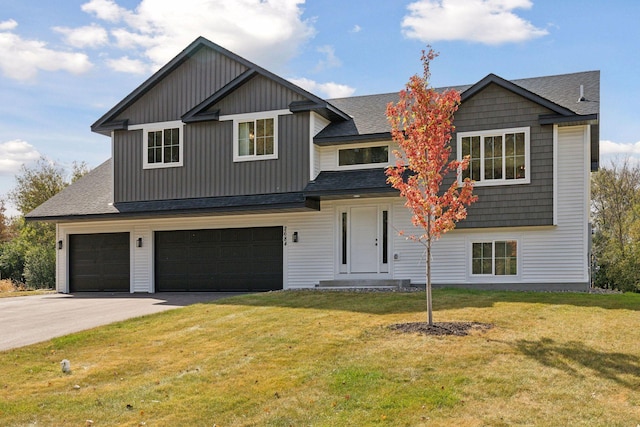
x,y
107,10
610,148
356,29
89,36
8,25
328,90
485,21
614,153
21,59
330,60
14,154
268,32
128,65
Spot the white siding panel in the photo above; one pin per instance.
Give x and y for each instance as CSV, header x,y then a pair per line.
x,y
61,261
311,259
448,253
410,262
142,259
319,123
560,254
328,158
317,166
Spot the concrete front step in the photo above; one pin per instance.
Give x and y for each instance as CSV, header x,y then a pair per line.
x,y
355,284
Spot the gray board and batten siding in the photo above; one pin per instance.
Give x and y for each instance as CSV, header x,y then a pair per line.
x,y
515,205
208,169
202,74
256,95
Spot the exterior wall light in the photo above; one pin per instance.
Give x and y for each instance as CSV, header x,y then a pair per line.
x,y
59,244
139,242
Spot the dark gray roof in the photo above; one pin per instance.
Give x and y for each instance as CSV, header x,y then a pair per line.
x,y
361,181
90,195
211,205
91,198
564,90
369,118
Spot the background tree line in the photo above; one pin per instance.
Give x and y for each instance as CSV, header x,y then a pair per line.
x,y
27,249
615,210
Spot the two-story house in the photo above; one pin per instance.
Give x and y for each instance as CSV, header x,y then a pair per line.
x,y
225,176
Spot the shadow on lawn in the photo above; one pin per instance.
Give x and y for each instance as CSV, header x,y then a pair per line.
x,y
622,368
443,299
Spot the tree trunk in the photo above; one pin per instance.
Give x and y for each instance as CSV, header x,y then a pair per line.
x,y
429,306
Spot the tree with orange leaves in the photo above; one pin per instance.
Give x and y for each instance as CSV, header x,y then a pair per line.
x,y
421,125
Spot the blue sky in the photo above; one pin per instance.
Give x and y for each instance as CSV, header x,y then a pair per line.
x,y
64,64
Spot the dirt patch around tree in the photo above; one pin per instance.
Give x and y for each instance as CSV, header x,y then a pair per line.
x,y
441,328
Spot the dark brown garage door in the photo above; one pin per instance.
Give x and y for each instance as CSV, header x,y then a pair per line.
x,y
236,259
99,262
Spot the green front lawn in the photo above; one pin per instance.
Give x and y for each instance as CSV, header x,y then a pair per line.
x,y
328,359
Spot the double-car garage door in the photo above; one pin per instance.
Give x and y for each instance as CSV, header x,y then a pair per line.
x,y
237,259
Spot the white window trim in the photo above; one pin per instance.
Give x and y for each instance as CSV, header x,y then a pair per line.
x,y
239,118
366,165
498,132
154,127
493,277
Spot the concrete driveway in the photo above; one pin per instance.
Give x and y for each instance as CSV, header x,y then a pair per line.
x,y
32,319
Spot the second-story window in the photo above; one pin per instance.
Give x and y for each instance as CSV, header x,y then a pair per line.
x,y
162,144
255,136
496,157
363,155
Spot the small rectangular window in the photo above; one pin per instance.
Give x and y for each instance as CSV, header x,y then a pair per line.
x,y
256,139
363,155
162,144
499,258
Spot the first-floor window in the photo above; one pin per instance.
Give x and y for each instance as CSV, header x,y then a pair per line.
x,y
498,258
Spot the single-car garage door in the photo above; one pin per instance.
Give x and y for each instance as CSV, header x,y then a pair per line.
x,y
99,262
236,259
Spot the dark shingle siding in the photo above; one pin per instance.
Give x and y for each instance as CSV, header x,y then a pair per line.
x,y
519,204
